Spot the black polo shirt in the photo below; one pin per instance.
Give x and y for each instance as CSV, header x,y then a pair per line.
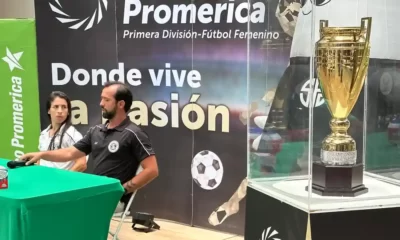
x,y
115,152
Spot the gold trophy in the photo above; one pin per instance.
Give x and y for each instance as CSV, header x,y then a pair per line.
x,y
342,58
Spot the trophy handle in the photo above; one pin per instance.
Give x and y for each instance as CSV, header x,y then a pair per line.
x,y
366,33
366,28
322,24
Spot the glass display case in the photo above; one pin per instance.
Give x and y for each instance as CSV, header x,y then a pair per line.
x,y
324,118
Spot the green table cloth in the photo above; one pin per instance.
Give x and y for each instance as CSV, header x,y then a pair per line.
x,y
44,203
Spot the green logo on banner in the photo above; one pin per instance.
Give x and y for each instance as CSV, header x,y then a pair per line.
x,y
19,92
13,60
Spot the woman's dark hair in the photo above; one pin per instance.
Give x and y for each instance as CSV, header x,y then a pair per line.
x,y
67,121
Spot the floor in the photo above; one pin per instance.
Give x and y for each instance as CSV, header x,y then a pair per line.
x,y
169,231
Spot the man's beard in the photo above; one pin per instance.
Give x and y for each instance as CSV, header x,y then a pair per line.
x,y
108,114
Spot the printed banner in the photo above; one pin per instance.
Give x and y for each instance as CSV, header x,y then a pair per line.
x,y
19,92
187,66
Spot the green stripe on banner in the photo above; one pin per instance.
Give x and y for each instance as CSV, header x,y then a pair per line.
x,y
19,98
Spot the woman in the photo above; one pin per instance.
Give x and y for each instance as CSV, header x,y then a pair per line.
x,y
60,133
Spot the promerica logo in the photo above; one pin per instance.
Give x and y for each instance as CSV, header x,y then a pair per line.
x,y
77,23
17,104
268,234
12,59
175,14
192,13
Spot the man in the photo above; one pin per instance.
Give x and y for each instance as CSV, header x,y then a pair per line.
x,y
116,148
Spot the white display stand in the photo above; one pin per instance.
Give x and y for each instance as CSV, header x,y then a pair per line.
x,y
282,205
381,194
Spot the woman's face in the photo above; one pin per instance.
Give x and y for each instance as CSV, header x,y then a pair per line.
x,y
58,110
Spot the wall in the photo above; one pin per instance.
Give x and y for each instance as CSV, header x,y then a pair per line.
x,y
17,9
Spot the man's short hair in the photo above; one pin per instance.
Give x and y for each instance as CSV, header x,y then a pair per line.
x,y
123,93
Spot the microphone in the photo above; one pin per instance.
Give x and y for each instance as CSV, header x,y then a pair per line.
x,y
14,164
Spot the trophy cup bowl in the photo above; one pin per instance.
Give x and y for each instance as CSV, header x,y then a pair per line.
x,y
342,58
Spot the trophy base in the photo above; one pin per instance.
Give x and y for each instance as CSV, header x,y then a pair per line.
x,y
338,181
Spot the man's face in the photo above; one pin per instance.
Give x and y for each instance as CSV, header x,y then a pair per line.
x,y
108,104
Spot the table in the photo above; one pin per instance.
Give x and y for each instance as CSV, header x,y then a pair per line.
x,y
44,203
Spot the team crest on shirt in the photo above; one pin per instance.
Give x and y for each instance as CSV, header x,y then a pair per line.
x,y
113,146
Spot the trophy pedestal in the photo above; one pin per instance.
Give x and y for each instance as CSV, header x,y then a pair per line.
x,y
339,181
281,206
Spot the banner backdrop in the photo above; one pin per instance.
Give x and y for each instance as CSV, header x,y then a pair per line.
x,y
19,92
186,63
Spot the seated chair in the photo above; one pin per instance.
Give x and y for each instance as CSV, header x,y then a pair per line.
x,y
128,206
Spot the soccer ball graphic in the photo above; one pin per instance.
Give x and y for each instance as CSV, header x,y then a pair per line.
x,y
207,170
287,12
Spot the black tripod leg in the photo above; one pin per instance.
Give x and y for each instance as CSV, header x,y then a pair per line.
x,y
155,225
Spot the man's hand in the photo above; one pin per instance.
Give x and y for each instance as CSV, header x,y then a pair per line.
x,y
129,187
31,158
59,155
149,172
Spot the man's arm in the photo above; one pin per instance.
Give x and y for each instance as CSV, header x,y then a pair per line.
x,y
62,155
80,149
148,174
144,153
80,163
59,155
